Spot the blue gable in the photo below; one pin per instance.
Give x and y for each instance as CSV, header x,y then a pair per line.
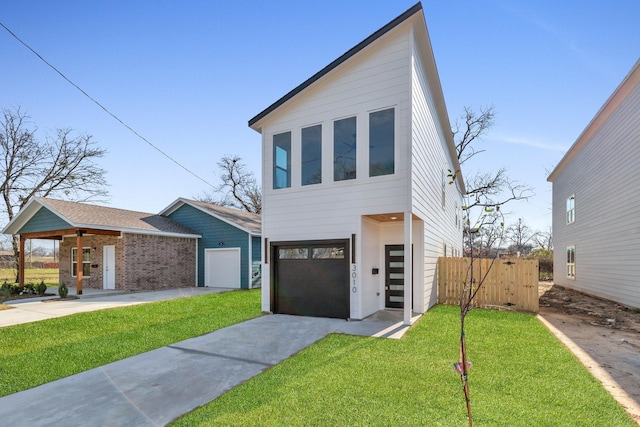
x,y
44,220
217,234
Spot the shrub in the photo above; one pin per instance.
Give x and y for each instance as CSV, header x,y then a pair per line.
x,y
28,288
41,288
63,291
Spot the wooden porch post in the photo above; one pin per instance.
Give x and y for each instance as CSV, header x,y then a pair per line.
x,y
79,259
21,262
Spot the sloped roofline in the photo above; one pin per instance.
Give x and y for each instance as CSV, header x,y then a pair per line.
x,y
181,200
36,203
619,95
344,57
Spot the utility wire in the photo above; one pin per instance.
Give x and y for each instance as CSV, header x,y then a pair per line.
x,y
105,109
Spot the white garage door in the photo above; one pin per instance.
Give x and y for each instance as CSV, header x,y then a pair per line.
x,y
222,268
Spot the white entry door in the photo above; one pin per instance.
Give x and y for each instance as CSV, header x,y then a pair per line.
x,y
109,267
222,268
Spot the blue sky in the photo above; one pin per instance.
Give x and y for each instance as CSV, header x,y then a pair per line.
x,y
188,75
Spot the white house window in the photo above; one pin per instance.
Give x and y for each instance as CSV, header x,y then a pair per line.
x,y
344,149
86,262
282,160
381,142
571,262
312,155
571,209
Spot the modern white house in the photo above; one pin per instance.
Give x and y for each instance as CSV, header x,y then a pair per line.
x,y
596,230
358,202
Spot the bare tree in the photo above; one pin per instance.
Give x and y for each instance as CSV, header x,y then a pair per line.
x,y
239,188
544,239
62,165
487,190
487,193
521,237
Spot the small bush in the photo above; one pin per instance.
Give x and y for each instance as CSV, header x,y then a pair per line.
x,y
28,288
63,291
41,288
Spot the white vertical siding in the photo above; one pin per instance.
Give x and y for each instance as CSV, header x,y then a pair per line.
x,y
430,165
376,79
606,231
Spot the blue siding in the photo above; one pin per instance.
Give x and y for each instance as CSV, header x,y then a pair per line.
x,y
44,220
214,232
256,257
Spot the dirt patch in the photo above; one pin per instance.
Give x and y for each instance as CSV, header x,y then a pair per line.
x,y
608,332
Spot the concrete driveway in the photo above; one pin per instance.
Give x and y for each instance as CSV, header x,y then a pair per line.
x,y
154,388
40,308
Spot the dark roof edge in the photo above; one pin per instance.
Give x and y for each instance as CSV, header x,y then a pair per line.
x,y
344,57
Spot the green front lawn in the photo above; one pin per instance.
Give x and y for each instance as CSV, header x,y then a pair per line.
x,y
35,353
521,376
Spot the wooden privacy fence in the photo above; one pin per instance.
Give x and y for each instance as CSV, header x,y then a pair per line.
x,y
511,283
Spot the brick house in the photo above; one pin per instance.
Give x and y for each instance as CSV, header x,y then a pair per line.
x,y
121,249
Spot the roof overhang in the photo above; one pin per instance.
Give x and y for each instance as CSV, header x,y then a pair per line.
x,y
619,95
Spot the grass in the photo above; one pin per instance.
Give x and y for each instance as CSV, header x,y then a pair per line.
x,y
521,376
35,353
49,275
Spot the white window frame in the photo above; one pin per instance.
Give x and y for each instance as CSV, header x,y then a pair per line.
x,y
571,262
571,209
73,261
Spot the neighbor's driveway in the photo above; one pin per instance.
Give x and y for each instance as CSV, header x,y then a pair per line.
x,y
32,310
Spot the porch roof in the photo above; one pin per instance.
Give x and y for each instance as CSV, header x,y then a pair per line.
x,y
67,218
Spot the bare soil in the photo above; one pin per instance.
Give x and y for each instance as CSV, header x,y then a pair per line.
x,y
608,332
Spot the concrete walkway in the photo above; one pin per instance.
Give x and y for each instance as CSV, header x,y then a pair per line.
x,y
41,308
154,388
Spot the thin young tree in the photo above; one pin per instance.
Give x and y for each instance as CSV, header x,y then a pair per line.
x,y
61,165
487,194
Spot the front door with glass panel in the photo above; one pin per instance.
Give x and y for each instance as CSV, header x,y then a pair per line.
x,y
394,276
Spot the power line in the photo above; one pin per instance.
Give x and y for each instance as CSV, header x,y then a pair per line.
x,y
104,108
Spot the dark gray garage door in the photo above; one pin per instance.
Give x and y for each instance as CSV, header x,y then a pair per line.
x,y
311,278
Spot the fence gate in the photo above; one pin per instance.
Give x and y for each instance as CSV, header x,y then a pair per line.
x,y
509,283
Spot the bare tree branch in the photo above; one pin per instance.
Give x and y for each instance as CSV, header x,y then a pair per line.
x,y
238,189
61,165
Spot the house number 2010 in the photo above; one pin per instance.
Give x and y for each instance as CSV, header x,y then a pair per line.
x,y
354,275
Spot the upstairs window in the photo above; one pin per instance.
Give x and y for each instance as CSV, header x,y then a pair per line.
x,y
571,209
282,160
312,155
571,262
344,149
86,262
381,142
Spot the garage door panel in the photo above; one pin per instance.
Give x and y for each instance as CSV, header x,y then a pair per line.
x,y
313,286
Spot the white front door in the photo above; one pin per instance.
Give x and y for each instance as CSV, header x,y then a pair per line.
x,y
109,267
222,268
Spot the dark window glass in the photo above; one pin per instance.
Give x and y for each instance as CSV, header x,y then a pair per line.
x,y
86,262
282,160
344,149
312,155
293,253
327,253
381,142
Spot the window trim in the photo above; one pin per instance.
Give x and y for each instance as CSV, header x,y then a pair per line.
x,y
88,262
345,175
375,171
302,153
275,166
571,266
570,211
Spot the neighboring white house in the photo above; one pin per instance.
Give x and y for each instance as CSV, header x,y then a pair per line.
x,y
355,176
596,222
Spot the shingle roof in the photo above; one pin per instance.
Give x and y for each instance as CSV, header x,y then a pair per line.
x,y
93,216
247,220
